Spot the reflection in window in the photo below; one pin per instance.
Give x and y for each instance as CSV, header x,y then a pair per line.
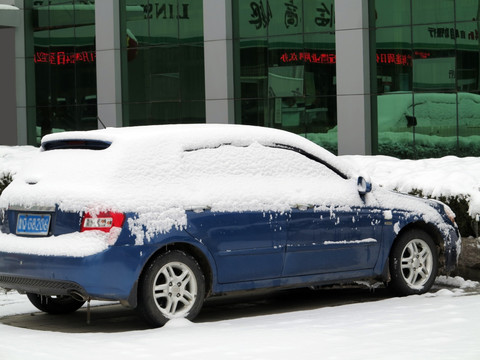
x,y
429,107
399,13
394,59
396,123
163,78
285,69
469,123
432,11
64,57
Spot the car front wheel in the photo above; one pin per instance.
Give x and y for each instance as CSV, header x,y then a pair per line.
x,y
173,286
56,305
413,263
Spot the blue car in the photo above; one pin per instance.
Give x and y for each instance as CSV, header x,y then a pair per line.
x,y
161,217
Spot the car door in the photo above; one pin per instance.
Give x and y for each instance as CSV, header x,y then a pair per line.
x,y
240,222
246,246
335,233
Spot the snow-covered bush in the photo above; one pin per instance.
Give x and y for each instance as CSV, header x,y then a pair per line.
x,y
12,159
5,179
452,180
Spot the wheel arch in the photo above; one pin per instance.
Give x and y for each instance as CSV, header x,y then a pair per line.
x,y
434,233
190,249
429,228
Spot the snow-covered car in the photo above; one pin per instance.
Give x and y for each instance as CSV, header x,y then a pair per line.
x,y
162,217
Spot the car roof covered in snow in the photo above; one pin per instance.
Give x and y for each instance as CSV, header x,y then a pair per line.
x,y
187,137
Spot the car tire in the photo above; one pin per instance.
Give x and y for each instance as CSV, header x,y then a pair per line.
x,y
173,286
413,263
57,305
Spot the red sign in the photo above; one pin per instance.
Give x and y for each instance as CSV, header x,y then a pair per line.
x,y
400,59
62,58
310,57
324,58
394,59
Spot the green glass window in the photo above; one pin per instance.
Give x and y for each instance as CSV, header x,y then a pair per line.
x,y
62,67
285,67
431,106
319,16
395,124
391,13
467,10
434,57
469,123
433,11
394,59
163,62
435,127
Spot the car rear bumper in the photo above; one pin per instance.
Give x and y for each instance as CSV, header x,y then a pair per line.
x,y
42,286
109,275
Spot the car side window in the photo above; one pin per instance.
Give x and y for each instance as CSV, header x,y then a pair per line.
x,y
254,161
263,178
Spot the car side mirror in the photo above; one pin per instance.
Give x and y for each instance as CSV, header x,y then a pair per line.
x,y
363,185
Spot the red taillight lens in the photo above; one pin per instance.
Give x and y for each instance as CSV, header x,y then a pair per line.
x,y
103,221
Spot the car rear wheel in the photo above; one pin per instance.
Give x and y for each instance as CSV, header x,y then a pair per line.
x,y
413,263
56,305
173,286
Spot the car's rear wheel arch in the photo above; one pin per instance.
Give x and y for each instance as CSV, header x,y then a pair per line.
x,y
191,250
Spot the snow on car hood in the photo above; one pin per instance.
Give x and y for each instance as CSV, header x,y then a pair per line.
x,y
160,172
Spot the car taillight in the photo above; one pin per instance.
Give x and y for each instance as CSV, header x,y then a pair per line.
x,y
103,221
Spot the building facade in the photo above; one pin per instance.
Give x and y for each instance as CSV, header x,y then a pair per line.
x,y
397,77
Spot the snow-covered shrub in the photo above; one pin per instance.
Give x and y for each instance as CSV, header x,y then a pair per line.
x,y
398,148
5,179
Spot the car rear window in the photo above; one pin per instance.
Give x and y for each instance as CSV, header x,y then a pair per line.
x,y
75,144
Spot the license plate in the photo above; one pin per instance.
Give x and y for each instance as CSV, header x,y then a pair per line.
x,y
33,224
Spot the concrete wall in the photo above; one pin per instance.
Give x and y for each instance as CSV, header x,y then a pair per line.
x,y
218,50
109,70
353,77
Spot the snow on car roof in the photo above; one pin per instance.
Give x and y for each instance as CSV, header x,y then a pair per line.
x,y
197,136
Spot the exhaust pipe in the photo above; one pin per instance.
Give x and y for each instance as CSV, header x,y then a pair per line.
x,y
77,295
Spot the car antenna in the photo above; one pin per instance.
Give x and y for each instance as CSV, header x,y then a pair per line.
x,y
101,122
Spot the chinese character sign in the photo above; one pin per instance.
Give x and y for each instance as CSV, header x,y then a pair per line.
x,y
291,14
319,15
308,57
261,15
389,58
325,15
283,17
62,58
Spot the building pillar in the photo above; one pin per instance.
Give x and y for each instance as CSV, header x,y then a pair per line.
x,y
23,59
9,22
218,50
109,72
8,124
353,77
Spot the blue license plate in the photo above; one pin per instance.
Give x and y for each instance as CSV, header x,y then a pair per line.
x,y
33,224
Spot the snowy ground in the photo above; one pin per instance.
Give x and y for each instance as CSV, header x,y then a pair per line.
x,y
443,324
